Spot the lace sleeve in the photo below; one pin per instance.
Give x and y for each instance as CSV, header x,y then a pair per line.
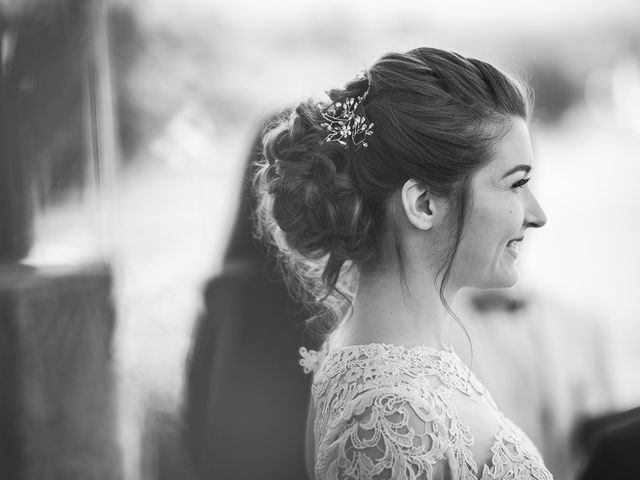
x,y
382,434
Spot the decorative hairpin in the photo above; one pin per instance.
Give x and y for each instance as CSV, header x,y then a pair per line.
x,y
343,123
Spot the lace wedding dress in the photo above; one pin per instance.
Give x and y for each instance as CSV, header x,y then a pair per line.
x,y
410,413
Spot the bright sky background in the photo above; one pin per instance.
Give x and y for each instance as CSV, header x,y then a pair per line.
x,y
501,16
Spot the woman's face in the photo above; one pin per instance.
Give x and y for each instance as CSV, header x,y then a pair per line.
x,y
502,208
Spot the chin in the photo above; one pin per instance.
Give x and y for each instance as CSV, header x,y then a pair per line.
x,y
506,280
501,276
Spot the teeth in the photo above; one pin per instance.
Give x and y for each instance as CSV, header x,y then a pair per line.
x,y
514,244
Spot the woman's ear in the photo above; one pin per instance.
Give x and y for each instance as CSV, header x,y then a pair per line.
x,y
419,205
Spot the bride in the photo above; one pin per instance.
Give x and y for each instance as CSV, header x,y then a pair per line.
x,y
410,184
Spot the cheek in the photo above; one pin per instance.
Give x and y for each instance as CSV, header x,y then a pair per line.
x,y
491,226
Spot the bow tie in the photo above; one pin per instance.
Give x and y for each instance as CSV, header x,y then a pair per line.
x,y
485,302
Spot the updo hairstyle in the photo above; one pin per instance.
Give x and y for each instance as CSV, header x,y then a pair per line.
x,y
437,118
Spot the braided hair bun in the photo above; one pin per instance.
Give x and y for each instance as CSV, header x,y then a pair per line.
x,y
313,208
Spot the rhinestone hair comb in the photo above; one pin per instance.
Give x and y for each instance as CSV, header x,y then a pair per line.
x,y
343,122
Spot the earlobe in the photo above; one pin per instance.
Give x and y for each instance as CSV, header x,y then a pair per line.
x,y
418,205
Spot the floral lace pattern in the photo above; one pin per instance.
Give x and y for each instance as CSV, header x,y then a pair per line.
x,y
387,412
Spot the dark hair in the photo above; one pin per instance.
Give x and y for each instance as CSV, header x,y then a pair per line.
x,y
437,118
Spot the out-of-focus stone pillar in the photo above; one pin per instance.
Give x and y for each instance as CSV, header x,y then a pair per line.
x,y
57,398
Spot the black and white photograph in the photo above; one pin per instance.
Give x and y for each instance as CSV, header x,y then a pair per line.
x,y
319,240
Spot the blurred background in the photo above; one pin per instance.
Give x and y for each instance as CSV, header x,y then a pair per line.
x,y
125,131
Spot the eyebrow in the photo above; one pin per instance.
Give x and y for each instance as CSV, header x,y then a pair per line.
x,y
517,168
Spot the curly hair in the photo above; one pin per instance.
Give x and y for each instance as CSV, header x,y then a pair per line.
x,y
438,117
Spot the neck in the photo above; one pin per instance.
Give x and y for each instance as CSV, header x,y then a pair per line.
x,y
388,309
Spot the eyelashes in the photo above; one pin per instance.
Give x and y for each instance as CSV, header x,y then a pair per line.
x,y
520,183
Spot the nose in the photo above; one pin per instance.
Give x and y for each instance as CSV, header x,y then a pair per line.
x,y
534,214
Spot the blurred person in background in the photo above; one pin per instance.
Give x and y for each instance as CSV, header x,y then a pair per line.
x,y
408,186
246,397
558,372
612,444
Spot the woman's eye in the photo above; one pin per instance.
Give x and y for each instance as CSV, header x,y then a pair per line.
x,y
520,183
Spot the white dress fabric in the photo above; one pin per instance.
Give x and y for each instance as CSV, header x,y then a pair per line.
x,y
391,412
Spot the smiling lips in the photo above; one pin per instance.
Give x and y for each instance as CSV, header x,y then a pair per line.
x,y
513,245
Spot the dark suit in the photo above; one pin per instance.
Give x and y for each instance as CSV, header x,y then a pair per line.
x,y
247,396
615,451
